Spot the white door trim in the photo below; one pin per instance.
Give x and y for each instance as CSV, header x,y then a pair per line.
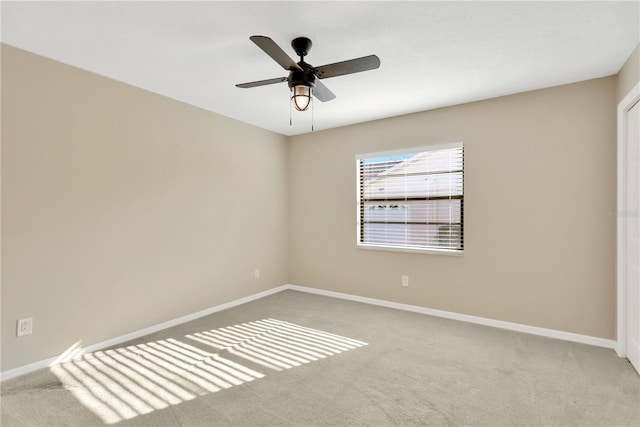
x,y
621,219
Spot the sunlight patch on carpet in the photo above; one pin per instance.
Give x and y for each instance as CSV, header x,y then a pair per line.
x,y
126,382
276,344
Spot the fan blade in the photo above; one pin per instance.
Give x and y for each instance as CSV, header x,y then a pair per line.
x,y
262,82
274,51
356,65
322,92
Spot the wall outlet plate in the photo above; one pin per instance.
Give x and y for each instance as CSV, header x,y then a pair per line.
x,y
405,280
25,327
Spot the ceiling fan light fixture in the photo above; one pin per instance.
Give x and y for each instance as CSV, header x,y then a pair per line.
x,y
301,97
304,79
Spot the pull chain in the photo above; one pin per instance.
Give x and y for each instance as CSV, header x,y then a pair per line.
x,y
312,102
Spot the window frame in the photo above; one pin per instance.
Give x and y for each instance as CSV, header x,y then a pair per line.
x,y
401,248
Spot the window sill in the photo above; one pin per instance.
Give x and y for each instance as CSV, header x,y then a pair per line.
x,y
430,251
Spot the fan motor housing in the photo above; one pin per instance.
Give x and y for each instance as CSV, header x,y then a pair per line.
x,y
304,77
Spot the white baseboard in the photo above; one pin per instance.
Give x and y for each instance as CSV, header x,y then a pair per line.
x,y
533,330
22,370
566,336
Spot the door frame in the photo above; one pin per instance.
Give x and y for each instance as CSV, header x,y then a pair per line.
x,y
623,109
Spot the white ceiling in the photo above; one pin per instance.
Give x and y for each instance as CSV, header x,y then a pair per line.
x,y
433,54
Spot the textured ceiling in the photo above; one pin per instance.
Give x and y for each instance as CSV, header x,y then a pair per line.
x,y
433,54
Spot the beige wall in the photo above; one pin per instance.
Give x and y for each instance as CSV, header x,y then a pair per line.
x,y
539,183
629,74
122,209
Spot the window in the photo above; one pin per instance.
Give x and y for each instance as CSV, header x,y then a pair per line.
x,y
412,200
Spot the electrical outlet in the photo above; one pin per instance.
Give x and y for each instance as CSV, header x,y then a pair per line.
x,y
405,280
256,273
25,326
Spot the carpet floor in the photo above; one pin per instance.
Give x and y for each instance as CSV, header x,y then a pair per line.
x,y
296,359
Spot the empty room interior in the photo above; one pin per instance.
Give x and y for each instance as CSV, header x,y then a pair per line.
x,y
204,225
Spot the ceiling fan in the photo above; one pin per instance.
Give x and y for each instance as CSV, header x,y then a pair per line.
x,y
304,79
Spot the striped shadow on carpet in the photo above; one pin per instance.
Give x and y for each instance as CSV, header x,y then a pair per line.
x,y
122,383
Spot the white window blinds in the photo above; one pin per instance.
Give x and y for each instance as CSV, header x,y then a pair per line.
x,y
412,200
